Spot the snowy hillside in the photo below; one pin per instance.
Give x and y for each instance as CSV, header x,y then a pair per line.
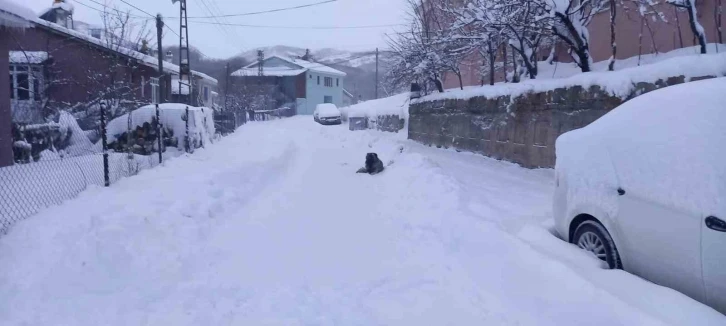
x,y
361,59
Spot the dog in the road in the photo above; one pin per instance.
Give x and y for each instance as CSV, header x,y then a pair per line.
x,y
374,165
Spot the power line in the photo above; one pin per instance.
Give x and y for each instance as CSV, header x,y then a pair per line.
x,y
297,27
105,6
265,11
123,12
137,8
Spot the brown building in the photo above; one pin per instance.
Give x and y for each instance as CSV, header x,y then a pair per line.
x,y
55,67
658,36
12,19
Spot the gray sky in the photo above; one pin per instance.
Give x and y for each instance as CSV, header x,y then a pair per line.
x,y
221,42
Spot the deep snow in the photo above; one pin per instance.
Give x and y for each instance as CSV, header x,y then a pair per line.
x,y
620,82
272,226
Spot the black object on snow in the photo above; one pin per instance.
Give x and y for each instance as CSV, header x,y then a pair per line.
x,y
374,165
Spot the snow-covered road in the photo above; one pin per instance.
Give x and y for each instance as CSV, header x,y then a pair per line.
x,y
271,226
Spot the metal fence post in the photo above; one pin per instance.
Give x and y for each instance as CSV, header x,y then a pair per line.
x,y
104,142
159,133
187,144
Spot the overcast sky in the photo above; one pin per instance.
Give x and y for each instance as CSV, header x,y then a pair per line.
x,y
222,42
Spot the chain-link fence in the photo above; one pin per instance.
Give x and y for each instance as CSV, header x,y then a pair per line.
x,y
56,161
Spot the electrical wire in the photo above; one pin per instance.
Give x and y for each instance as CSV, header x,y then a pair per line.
x,y
265,11
297,27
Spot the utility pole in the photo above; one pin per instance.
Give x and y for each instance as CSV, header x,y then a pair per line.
x,y
376,73
260,63
226,86
159,29
185,71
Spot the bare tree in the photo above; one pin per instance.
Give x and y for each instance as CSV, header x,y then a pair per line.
x,y
570,21
417,53
698,31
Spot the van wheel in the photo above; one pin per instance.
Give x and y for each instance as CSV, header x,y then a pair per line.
x,y
593,237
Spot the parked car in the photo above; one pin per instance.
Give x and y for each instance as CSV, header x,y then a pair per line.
x,y
644,188
327,114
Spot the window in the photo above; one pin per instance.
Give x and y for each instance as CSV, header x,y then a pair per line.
x,y
154,81
328,82
328,99
206,94
25,83
318,80
143,86
337,82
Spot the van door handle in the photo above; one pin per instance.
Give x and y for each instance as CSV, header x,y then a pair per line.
x,y
716,224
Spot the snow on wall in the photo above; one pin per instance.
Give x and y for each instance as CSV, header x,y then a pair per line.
x,y
619,83
201,123
393,105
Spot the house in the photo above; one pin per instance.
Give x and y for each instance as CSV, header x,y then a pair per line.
x,y
13,19
58,67
303,83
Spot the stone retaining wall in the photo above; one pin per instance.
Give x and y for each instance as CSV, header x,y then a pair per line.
x,y
520,129
389,123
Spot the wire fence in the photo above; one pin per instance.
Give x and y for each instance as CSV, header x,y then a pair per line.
x,y
55,162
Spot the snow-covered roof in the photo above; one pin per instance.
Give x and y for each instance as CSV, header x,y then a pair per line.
x,y
304,66
15,15
316,67
28,57
143,58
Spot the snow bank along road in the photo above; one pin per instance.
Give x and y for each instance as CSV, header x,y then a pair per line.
x,y
271,226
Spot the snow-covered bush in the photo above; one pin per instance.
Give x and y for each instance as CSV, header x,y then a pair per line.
x,y
142,124
63,138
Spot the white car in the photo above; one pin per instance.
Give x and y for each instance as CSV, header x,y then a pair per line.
x,y
644,188
327,114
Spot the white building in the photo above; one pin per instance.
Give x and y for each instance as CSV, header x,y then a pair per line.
x,y
306,83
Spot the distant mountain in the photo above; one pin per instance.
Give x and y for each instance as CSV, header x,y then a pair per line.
x,y
360,59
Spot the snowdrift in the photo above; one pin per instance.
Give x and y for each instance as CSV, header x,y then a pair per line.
x,y
393,105
620,83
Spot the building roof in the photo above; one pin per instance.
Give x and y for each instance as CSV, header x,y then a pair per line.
x,y
15,15
303,66
146,60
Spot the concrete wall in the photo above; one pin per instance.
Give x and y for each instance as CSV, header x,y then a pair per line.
x,y
522,129
389,123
